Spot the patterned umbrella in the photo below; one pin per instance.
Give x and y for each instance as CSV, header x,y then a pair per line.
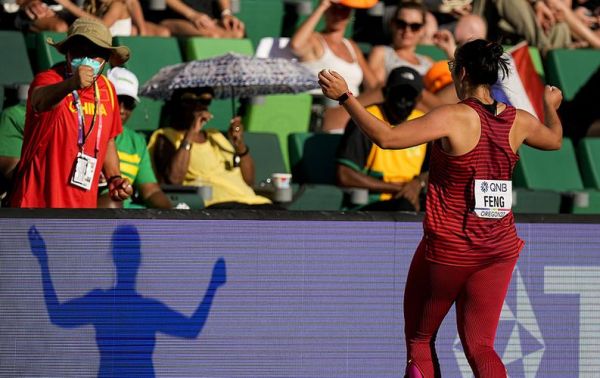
x,y
232,76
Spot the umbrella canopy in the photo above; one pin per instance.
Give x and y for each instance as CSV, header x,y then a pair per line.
x,y
232,76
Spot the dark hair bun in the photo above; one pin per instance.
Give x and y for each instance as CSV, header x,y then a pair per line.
x,y
495,50
483,61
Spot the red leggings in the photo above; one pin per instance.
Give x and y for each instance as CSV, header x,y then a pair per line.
x,y
432,289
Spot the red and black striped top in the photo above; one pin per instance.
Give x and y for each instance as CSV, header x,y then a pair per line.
x,y
454,235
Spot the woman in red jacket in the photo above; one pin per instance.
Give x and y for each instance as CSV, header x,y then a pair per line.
x,y
470,245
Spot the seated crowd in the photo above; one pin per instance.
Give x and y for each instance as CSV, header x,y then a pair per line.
x,y
118,167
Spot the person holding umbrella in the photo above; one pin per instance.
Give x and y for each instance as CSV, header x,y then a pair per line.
x,y
188,153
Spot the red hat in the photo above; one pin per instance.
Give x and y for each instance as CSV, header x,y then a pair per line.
x,y
361,4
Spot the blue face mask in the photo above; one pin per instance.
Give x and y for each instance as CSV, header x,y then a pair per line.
x,y
76,62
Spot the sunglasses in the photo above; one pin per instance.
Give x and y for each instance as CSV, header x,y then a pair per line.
x,y
403,25
127,102
199,101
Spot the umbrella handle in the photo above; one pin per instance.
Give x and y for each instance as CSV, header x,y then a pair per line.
x,y
233,110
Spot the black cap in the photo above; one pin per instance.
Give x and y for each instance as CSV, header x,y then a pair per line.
x,y
401,78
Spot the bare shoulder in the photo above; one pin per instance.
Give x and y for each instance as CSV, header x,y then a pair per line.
x,y
377,51
524,116
454,112
525,120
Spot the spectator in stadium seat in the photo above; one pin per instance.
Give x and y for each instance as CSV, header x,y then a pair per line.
x,y
12,123
198,18
330,49
531,20
122,17
580,24
407,27
113,13
187,153
395,178
72,120
135,162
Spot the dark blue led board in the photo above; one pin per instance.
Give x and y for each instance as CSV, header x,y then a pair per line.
x,y
252,298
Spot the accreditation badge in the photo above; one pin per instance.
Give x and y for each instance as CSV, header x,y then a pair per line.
x,y
83,171
493,198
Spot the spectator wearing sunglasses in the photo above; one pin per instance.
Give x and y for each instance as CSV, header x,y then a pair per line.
x,y
135,163
329,49
407,27
188,153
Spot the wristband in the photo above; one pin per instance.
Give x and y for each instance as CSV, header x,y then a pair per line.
x,y
186,145
226,12
344,97
243,153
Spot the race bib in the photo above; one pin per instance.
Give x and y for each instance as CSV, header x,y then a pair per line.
x,y
83,171
493,198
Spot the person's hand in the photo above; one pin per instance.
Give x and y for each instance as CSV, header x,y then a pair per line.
x,y
444,39
585,16
119,189
464,10
202,21
36,9
327,3
332,84
411,191
83,77
236,133
231,22
544,15
553,96
37,244
200,119
219,273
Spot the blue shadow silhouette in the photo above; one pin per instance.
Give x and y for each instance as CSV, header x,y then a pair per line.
x,y
126,323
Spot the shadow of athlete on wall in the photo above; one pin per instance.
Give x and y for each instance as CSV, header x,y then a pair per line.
x,y
126,323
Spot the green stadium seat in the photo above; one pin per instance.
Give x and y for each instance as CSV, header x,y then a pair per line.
x,y
184,195
261,20
312,157
266,152
526,201
431,51
548,170
16,68
316,197
556,171
571,69
203,48
46,55
148,56
586,202
281,114
588,155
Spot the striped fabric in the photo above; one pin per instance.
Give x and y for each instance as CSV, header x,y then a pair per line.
x,y
454,235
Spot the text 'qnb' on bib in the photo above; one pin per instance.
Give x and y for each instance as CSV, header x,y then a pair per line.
x,y
493,198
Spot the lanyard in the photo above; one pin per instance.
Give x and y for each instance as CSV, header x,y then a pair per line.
x,y
82,136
